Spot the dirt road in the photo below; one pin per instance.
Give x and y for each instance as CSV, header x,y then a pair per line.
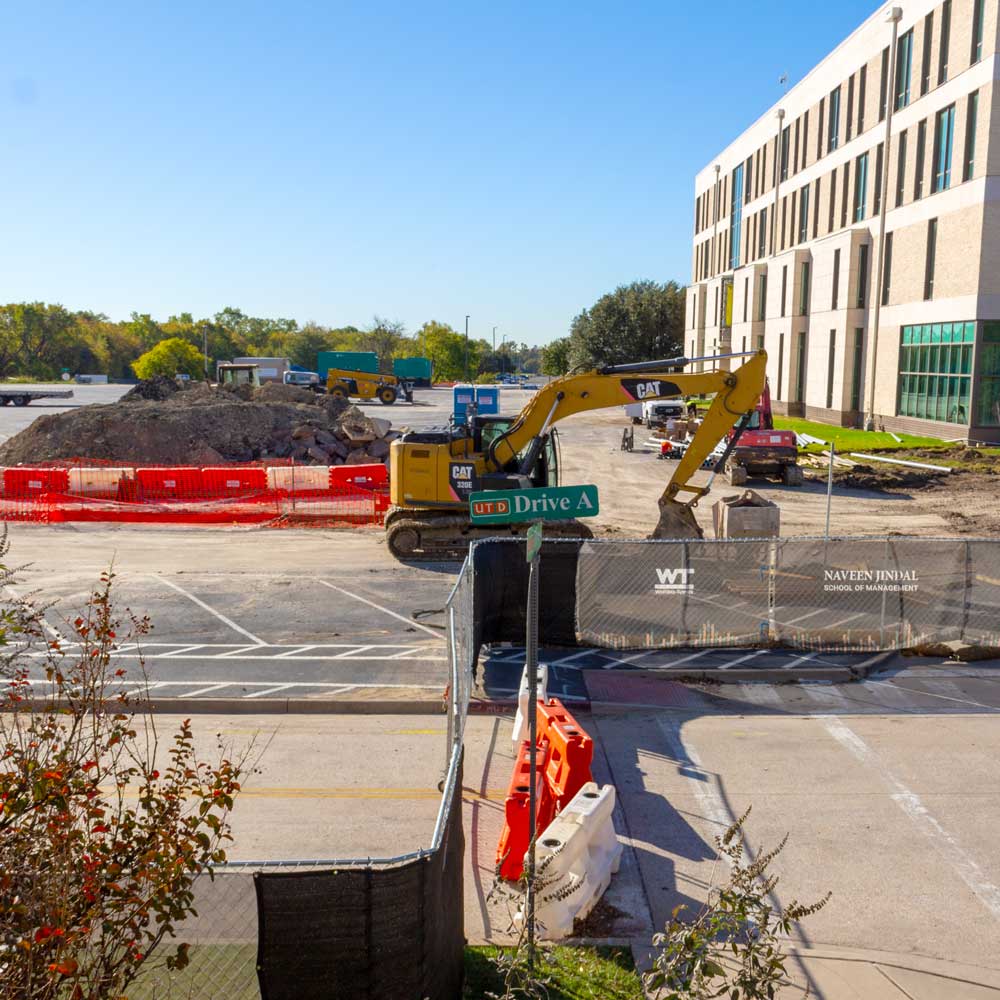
x,y
630,483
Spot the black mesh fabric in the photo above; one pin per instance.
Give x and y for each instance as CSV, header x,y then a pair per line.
x,y
376,933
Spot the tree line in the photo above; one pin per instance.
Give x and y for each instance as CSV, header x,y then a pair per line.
x,y
638,322
40,340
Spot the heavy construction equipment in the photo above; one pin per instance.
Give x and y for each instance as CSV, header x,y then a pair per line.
x,y
234,374
433,472
764,451
344,383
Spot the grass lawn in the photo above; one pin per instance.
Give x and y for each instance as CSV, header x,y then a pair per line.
x,y
849,439
569,974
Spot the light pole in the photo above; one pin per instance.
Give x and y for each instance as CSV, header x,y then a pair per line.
x,y
494,345
204,334
893,17
467,376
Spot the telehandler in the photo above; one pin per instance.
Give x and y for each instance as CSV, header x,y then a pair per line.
x,y
343,384
433,472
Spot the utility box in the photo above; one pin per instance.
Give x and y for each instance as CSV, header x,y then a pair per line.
x,y
487,400
463,396
746,515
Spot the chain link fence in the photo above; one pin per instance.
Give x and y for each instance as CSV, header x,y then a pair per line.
x,y
836,595
352,928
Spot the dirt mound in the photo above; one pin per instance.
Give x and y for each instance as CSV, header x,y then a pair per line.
x,y
203,425
885,479
159,387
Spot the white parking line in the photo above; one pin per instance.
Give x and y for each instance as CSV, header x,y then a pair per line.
x,y
890,695
203,690
270,690
947,845
378,607
844,621
685,659
802,618
183,649
570,659
51,629
218,614
826,695
293,652
763,695
947,691
742,659
234,652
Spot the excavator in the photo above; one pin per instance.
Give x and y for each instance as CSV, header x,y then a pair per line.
x,y
433,473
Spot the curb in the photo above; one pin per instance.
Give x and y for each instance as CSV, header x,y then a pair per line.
x,y
273,706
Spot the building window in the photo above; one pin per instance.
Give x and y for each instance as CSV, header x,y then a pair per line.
x,y
836,279
736,222
971,119
935,371
819,182
795,159
806,280
781,360
784,219
785,134
833,197
862,86
800,368
883,85
819,129
762,234
762,304
977,30
830,360
918,180
859,357
784,287
850,107
904,66
900,168
988,382
746,299
805,140
887,269
925,62
715,308
860,186
930,260
833,129
878,180
944,135
862,295
844,178
804,214
945,42
749,180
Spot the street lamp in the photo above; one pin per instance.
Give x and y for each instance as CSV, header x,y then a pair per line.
x,y
468,378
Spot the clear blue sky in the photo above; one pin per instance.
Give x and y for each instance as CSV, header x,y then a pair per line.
x,y
329,161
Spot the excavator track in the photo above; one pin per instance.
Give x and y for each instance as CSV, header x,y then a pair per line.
x,y
429,536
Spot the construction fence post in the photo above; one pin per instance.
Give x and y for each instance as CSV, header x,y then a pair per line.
x,y
531,666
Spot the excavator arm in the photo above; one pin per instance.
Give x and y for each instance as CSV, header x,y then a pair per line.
x,y
736,394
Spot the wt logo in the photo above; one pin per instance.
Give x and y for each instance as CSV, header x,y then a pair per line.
x,y
674,581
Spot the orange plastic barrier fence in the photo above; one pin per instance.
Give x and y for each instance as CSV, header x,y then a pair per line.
x,y
278,494
565,755
571,751
515,837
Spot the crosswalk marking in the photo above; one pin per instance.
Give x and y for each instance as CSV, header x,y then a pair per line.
x,y
826,695
764,695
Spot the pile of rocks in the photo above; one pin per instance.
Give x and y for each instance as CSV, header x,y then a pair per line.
x,y
159,424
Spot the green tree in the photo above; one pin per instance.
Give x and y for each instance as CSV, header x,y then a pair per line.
x,y
171,357
643,321
383,337
445,347
555,357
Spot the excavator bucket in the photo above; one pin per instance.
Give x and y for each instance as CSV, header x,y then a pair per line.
x,y
676,521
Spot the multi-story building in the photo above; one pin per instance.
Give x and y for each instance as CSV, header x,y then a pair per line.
x,y
895,132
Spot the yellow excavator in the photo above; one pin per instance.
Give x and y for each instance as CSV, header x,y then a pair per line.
x,y
432,473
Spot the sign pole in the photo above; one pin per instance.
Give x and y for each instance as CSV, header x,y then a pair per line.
x,y
531,666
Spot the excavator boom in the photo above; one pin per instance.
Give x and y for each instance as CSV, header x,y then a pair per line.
x,y
508,461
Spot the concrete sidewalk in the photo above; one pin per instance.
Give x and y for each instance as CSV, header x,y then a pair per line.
x,y
853,974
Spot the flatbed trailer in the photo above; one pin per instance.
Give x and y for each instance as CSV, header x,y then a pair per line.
x,y
21,397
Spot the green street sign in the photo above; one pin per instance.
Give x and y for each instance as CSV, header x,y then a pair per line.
x,y
551,503
534,545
